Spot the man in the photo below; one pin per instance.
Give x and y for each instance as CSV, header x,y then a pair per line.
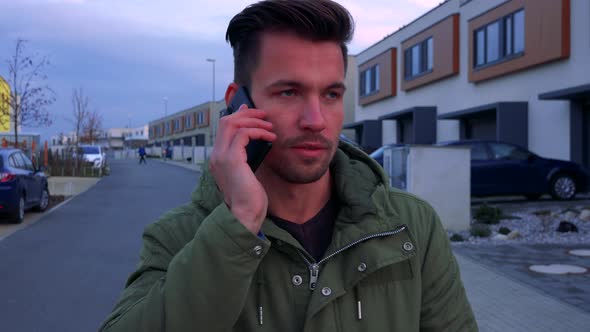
x,y
314,240
141,152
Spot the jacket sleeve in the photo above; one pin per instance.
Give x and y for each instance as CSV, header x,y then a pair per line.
x,y
444,302
202,286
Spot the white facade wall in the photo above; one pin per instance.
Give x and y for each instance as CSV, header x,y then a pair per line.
x,y
548,131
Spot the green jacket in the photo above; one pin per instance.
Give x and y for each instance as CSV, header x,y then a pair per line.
x,y
389,267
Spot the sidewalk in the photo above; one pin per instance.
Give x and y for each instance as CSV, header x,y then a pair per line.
x,y
191,166
501,304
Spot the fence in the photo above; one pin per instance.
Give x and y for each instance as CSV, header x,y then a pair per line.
x,y
196,154
60,163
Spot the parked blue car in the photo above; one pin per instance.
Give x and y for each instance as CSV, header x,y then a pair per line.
x,y
22,185
499,168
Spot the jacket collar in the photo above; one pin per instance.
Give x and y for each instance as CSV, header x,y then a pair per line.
x,y
360,185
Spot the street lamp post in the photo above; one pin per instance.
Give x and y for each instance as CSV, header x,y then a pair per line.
x,y
213,62
165,106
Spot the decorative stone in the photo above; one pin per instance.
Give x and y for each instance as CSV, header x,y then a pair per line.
x,y
566,227
569,215
580,252
514,235
585,215
500,237
558,269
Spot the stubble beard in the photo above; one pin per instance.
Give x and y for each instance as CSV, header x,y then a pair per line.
x,y
304,171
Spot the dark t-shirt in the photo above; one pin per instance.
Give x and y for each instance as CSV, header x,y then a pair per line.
x,y
315,234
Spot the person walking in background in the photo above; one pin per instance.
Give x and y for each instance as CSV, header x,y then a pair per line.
x,y
142,155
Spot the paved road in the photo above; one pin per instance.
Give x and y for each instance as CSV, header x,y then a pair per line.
x,y
65,272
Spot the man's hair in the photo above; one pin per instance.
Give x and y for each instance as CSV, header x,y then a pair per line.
x,y
316,20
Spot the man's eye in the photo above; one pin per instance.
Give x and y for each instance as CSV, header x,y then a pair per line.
x,y
333,95
288,93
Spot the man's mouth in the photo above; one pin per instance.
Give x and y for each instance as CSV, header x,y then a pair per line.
x,y
310,146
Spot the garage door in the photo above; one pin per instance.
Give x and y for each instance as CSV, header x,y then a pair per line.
x,y
406,130
480,126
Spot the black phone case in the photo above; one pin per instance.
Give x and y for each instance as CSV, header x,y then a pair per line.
x,y
256,150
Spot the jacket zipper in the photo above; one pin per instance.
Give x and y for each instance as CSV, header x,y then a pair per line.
x,y
314,268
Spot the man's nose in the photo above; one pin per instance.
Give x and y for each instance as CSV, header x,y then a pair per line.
x,y
313,117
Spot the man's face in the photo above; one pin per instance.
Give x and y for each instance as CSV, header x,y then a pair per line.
x,y
300,83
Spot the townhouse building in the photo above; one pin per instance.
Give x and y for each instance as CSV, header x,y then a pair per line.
x,y
194,126
511,70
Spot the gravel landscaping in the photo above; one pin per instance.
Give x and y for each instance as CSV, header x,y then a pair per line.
x,y
533,227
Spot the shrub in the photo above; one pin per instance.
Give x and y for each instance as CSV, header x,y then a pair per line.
x,y
569,210
457,238
489,215
480,230
542,213
504,230
509,217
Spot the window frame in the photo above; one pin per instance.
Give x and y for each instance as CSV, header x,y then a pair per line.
x,y
505,53
188,121
200,118
374,86
425,51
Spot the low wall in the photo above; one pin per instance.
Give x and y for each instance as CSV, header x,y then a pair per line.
x,y
198,154
68,185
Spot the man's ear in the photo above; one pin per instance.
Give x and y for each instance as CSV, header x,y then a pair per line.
x,y
231,92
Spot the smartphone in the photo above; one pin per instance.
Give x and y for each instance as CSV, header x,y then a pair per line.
x,y
256,150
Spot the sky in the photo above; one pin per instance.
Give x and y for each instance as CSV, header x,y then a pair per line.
x,y
138,59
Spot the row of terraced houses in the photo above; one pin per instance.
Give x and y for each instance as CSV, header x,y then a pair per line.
x,y
511,70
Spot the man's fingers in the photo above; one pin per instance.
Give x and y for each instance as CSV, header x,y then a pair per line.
x,y
245,135
229,126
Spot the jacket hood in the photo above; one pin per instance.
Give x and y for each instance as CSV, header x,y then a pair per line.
x,y
356,177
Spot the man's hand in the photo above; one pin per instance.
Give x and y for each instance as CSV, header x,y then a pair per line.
x,y
241,190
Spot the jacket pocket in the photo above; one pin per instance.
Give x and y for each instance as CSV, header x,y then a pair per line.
x,y
389,273
388,299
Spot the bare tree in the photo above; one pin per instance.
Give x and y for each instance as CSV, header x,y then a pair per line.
x,y
80,114
92,127
29,94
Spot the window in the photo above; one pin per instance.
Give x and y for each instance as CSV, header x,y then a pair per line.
x,y
27,162
369,82
177,125
479,152
167,127
500,40
509,152
419,59
188,121
200,118
14,162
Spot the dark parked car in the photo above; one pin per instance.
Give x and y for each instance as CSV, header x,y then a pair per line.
x,y
22,185
505,169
